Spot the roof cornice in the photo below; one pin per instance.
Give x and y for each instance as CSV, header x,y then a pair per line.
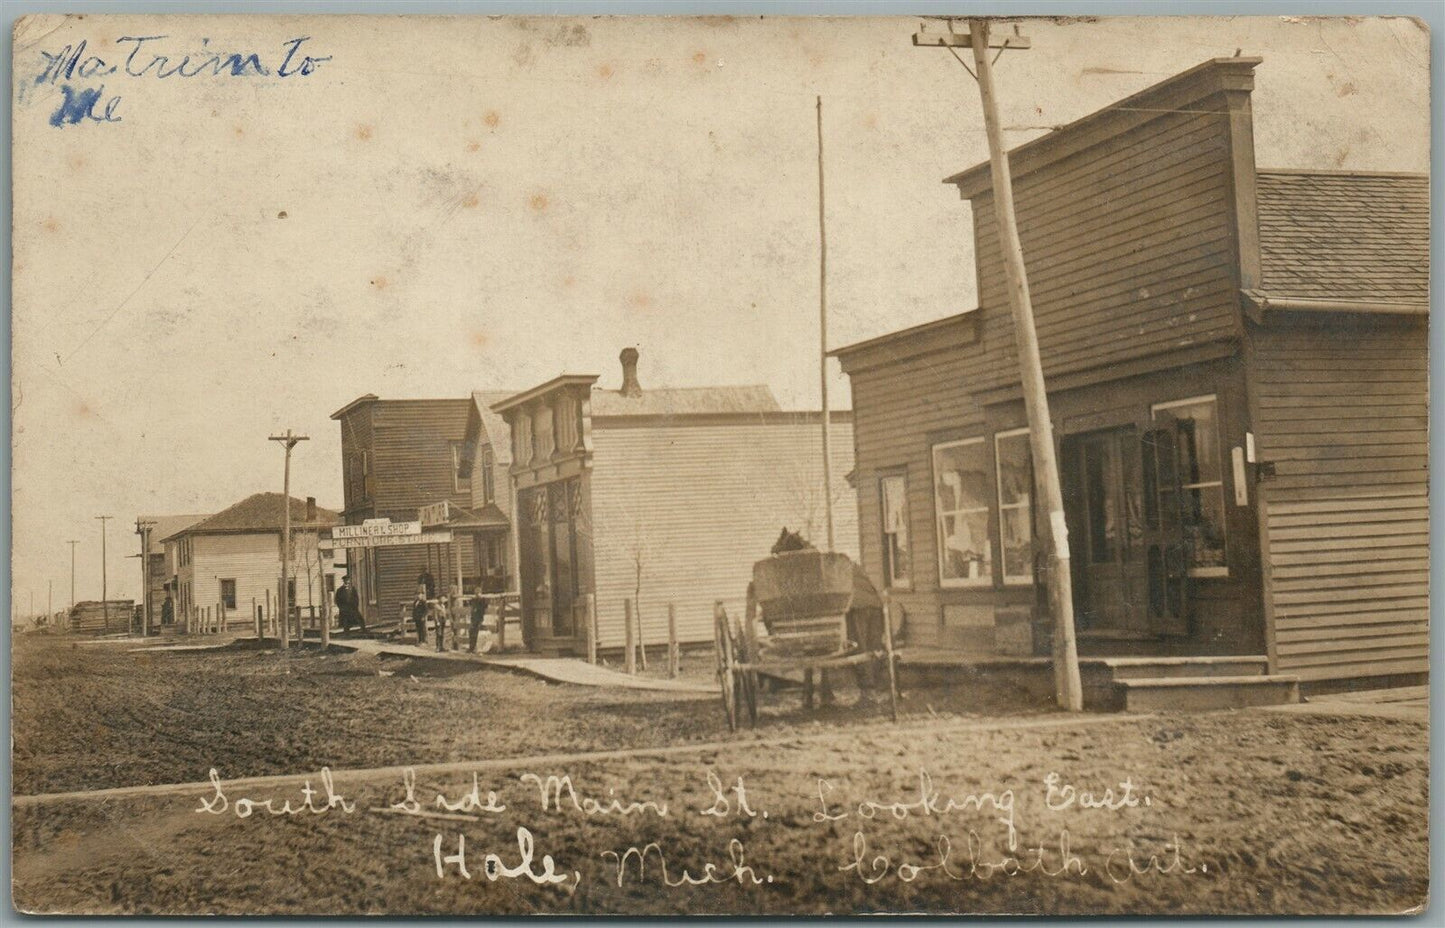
x,y
1217,75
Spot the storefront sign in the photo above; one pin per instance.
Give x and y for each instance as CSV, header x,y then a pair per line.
x,y
386,541
376,527
435,514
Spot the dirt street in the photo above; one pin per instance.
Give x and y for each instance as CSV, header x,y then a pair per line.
x,y
1248,812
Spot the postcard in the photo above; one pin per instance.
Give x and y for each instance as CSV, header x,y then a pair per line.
x,y
734,465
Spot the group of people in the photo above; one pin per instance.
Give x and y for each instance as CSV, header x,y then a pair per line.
x,y
441,613
444,613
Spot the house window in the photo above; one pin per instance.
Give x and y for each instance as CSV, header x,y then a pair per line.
x,y
1200,480
228,593
961,497
897,557
461,483
489,480
1014,463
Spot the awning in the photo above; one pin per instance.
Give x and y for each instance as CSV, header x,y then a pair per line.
x,y
487,519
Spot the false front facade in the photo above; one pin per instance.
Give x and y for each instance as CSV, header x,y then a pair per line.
x,y
650,500
1236,369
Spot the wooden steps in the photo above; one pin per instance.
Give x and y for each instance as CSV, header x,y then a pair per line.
x,y
1187,684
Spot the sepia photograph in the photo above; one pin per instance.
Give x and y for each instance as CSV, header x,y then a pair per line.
x,y
720,465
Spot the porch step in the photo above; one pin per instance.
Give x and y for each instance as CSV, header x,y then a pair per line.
x,y
1138,668
1200,693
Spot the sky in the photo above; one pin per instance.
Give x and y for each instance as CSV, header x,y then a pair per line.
x,y
433,206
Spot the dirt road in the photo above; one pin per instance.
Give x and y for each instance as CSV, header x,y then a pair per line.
x,y
1249,812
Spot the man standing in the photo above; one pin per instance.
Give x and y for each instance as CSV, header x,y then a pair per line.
x,y
479,615
439,616
419,608
348,606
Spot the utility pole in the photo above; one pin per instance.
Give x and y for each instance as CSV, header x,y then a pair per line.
x,y
104,592
143,529
823,337
72,544
49,600
1067,685
289,440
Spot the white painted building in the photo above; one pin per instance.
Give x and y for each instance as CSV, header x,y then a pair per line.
x,y
230,563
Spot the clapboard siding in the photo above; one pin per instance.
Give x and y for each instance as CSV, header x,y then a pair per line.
x,y
410,444
253,560
1128,244
356,435
399,567
1347,512
701,504
896,408
411,452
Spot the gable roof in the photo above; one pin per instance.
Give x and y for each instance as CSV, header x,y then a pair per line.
x,y
166,526
482,417
1345,236
482,420
259,512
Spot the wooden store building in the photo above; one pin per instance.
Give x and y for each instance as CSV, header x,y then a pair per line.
x,y
659,497
401,459
1236,366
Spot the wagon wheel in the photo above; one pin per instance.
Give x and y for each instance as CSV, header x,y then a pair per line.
x,y
726,658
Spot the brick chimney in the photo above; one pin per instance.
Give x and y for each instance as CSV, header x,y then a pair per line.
x,y
311,509
630,386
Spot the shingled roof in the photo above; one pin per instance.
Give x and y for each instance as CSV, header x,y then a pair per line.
x,y
260,512
685,401
1345,236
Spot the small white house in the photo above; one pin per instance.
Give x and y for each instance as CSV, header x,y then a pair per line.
x,y
230,563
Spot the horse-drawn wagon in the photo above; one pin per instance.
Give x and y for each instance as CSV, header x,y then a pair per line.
x,y
804,601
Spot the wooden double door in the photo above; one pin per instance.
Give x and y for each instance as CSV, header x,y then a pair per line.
x,y
555,549
1123,505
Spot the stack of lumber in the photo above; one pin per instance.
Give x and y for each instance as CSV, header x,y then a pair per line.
x,y
89,617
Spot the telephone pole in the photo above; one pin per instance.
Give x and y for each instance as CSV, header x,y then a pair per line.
x,y
143,529
104,592
72,544
1067,685
289,440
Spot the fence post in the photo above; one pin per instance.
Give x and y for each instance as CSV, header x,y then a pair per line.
x,y
631,658
268,611
641,642
589,618
673,658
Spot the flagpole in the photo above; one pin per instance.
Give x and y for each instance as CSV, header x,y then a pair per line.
x,y
823,338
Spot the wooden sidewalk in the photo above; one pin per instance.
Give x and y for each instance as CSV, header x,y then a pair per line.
x,y
552,669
